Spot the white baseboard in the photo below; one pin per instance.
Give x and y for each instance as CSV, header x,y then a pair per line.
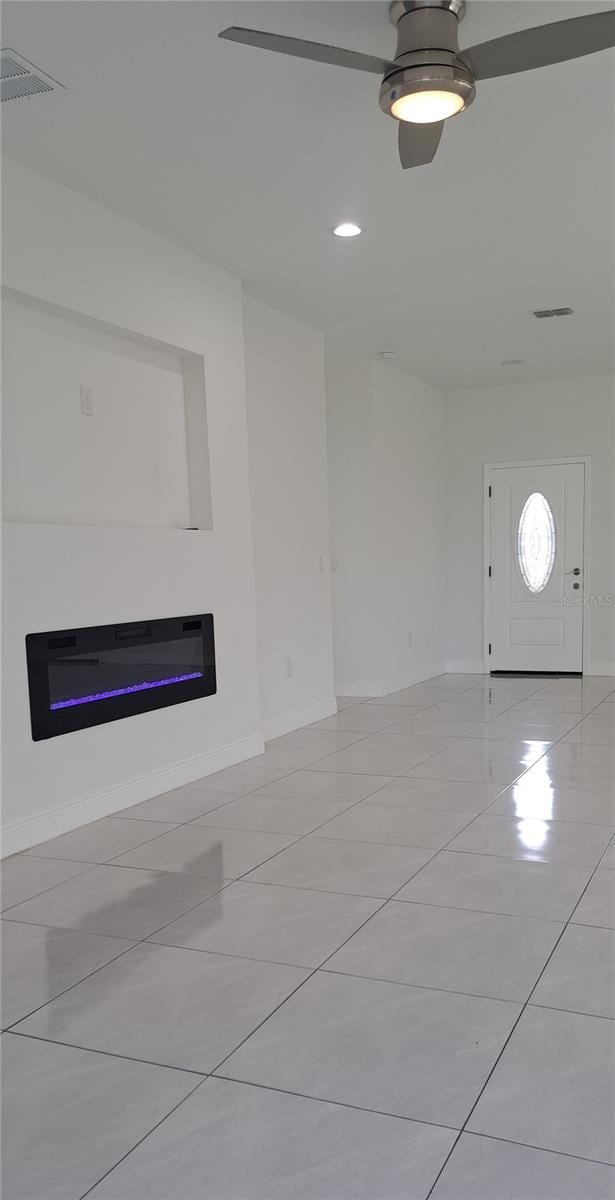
x,y
298,718
356,689
395,683
469,666
38,828
475,666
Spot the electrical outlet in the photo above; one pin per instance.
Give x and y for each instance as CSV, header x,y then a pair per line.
x,y
334,564
321,565
86,401
289,668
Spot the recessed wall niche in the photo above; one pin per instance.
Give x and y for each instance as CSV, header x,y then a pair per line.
x,y
102,426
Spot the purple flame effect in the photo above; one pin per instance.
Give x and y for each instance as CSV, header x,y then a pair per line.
x,y
124,691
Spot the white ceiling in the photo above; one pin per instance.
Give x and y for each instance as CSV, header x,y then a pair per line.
x,y
248,158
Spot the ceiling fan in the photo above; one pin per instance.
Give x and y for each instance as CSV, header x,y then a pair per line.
x,y
430,79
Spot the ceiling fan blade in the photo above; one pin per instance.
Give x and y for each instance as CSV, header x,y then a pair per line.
x,y
542,46
418,143
316,51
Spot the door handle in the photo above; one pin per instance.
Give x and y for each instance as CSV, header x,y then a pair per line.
x,y
575,571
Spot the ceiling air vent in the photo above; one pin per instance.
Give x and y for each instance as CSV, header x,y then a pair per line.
x,y
541,313
20,79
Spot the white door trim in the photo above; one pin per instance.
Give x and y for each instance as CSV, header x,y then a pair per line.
x,y
585,459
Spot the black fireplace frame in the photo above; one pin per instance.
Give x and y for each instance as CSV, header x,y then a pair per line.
x,y
42,648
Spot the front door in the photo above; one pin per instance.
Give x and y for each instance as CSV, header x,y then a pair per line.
x,y
536,583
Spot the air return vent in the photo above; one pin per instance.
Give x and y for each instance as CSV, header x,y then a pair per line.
x,y
542,313
19,79
10,67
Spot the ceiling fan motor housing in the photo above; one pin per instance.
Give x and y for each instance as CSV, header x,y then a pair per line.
x,y
430,79
427,52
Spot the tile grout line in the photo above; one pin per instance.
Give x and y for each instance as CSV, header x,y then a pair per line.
x,y
525,1006
211,1073
382,906
135,944
147,1062
377,1112
111,861
378,911
88,866
527,1146
295,990
29,851
266,1087
321,966
142,1139
262,1087
147,939
365,735
149,936
516,781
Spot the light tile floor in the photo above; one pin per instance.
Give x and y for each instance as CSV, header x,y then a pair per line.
x,y
377,962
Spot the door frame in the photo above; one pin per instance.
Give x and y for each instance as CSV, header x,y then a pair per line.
x,y
578,459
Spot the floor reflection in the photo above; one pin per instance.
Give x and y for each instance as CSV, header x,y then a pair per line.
x,y
117,912
533,794
533,834
533,799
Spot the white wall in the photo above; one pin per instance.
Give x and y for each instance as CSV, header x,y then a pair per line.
x,y
354,583
69,252
288,477
124,465
386,471
410,497
547,420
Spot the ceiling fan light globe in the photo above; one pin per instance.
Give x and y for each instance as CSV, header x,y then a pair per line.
x,y
423,108
425,94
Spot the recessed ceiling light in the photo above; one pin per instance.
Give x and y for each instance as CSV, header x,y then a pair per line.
x,y
386,354
513,362
347,229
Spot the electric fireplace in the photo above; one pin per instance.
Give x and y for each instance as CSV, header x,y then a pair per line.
x,y
83,677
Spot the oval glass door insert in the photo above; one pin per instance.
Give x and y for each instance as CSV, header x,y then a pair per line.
x,y
536,542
